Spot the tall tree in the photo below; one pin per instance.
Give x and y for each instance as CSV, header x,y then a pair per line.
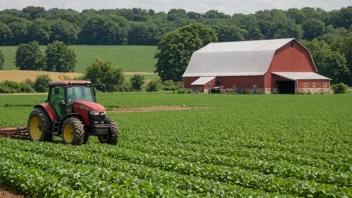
x,y
2,60
29,57
39,31
337,69
60,58
5,34
19,31
313,28
175,49
62,30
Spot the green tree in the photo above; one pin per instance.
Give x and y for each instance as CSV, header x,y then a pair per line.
x,y
319,51
102,72
60,58
39,31
313,28
337,67
176,48
41,84
62,30
29,57
19,31
137,82
2,60
5,34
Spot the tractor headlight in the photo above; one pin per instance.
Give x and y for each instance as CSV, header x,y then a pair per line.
x,y
97,113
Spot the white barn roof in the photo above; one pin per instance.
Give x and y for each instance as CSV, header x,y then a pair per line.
x,y
301,75
243,58
202,80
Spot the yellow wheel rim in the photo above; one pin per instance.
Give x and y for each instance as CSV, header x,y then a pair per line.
x,y
35,128
68,133
104,138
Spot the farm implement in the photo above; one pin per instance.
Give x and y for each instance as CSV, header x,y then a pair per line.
x,y
72,112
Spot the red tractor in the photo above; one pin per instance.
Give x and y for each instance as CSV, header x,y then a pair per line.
x,y
71,111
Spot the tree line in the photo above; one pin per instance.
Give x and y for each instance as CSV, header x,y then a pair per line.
x,y
145,27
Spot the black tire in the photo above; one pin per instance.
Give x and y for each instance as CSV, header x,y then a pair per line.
x,y
86,138
44,126
113,137
74,133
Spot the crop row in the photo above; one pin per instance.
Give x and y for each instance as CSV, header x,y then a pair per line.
x,y
171,179
278,168
234,176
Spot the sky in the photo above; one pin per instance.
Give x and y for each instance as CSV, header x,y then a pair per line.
x,y
226,6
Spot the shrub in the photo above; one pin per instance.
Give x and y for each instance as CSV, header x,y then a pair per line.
x,y
125,87
154,85
182,91
169,85
340,88
137,82
15,87
41,83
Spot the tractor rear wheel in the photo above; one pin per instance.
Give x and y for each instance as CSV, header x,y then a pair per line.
x,y
72,131
39,126
113,137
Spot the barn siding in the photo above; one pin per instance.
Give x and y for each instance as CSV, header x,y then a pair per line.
x,y
319,83
242,82
289,59
187,81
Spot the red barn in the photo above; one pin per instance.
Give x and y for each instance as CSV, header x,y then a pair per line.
x,y
264,66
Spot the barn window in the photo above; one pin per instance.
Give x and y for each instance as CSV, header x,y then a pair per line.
x,y
305,84
325,84
314,84
292,43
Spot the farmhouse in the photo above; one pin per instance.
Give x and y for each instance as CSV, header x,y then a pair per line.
x,y
265,66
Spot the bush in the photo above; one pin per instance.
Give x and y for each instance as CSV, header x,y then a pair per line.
x,y
169,85
41,83
137,82
154,85
2,60
182,91
340,88
15,87
125,87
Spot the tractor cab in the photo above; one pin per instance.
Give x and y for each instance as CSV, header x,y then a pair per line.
x,y
71,111
63,94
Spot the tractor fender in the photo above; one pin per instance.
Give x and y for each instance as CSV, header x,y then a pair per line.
x,y
49,110
68,116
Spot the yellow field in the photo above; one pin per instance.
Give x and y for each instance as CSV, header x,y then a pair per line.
x,y
22,75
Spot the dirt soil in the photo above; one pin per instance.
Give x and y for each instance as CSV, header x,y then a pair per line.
x,y
7,194
140,73
155,108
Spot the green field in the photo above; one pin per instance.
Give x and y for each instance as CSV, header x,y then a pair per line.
x,y
240,146
129,58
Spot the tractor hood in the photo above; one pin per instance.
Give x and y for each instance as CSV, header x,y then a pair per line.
x,y
89,106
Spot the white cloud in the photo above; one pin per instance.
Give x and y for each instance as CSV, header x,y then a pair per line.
x,y
227,6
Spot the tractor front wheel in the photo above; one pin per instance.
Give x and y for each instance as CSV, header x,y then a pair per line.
x,y
113,137
72,131
39,125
